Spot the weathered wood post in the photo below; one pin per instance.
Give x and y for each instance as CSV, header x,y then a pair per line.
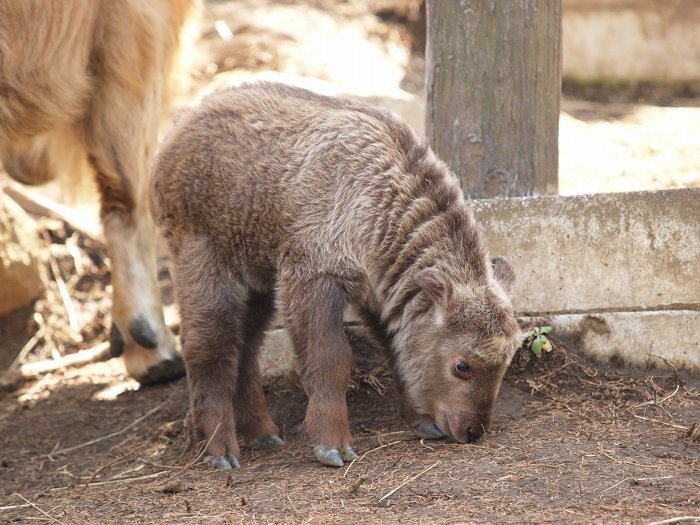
x,y
493,87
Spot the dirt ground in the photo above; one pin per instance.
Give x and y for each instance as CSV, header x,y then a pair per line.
x,y
572,442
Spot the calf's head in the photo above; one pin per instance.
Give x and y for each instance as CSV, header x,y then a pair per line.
x,y
454,345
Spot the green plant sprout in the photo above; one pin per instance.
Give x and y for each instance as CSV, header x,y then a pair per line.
x,y
537,341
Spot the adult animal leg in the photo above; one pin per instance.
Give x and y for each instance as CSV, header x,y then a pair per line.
x,y
120,143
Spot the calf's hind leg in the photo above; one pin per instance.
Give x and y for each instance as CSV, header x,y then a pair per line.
x,y
252,416
212,309
314,312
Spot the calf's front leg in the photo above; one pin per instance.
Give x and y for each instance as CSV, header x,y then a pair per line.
x,y
314,312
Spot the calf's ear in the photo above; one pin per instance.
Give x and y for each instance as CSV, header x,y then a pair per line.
x,y
437,288
503,273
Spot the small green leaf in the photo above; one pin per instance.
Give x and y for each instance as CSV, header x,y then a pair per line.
x,y
537,345
545,329
529,334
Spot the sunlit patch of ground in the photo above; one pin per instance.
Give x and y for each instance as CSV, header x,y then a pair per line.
x,y
624,147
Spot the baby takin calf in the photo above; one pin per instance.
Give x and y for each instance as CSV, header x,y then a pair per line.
x,y
272,196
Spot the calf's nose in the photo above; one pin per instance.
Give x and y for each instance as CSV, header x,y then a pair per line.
x,y
474,433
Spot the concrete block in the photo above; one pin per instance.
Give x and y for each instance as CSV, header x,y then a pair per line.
x,y
635,338
276,358
616,274
604,252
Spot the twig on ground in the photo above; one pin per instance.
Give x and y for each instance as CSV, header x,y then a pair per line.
x,y
674,369
556,370
286,493
11,507
65,296
422,443
97,353
123,480
358,483
653,479
158,465
659,403
679,519
123,473
54,449
107,465
579,414
74,251
409,434
37,508
409,480
672,425
370,450
31,343
113,434
585,368
618,483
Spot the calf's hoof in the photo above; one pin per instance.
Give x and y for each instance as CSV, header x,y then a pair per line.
x,y
333,457
222,463
428,430
268,440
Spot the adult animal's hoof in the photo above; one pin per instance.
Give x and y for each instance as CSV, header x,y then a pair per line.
x,y
142,333
163,371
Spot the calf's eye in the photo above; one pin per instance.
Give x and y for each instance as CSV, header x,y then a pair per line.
x,y
462,369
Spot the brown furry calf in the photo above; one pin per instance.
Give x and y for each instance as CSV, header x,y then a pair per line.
x,y
268,193
82,85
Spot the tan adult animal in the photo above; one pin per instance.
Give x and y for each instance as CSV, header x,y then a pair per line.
x,y
82,85
270,193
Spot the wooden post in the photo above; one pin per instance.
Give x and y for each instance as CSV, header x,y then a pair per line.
x,y
493,87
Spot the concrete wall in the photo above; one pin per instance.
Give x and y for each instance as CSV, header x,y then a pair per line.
x,y
617,274
603,252
655,40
